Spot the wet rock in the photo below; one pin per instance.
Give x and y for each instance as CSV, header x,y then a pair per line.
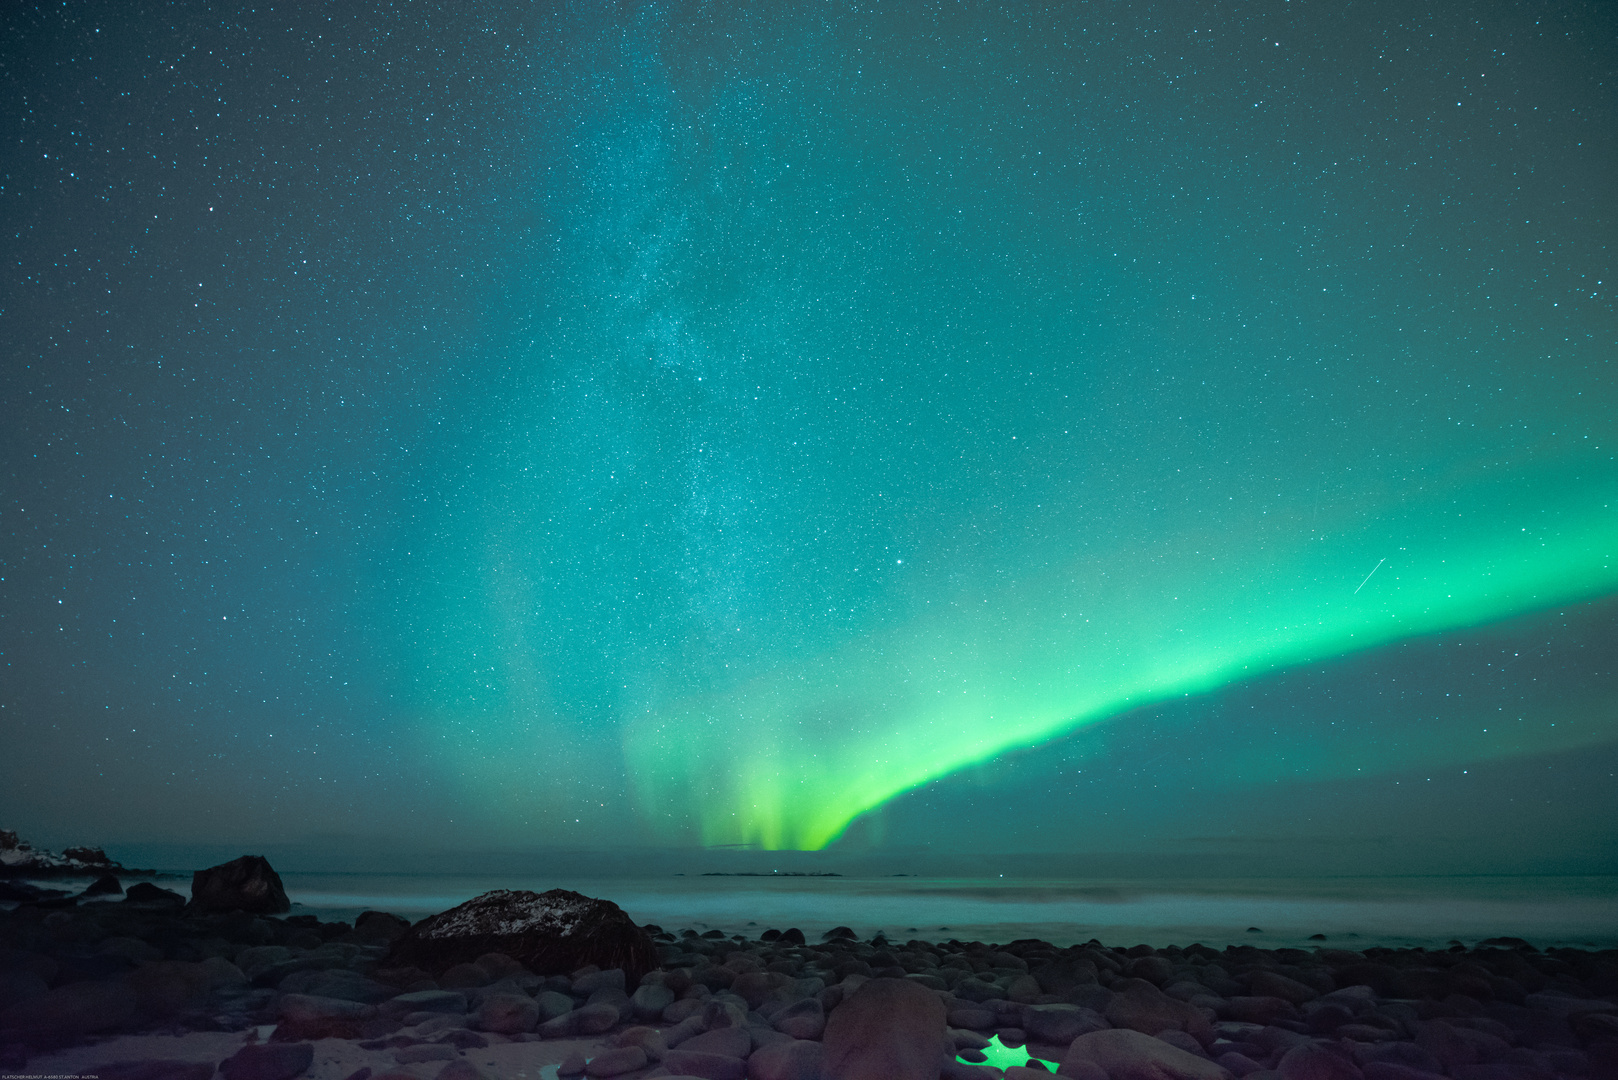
x,y
245,884
1389,1070
722,1014
269,1061
613,1062
795,1059
552,1004
888,1029
594,981
415,1055
1238,1063
549,933
973,1018
572,1065
1130,1055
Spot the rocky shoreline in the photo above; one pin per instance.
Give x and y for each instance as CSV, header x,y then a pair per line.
x,y
257,995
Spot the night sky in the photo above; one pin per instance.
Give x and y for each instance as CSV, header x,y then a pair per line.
x,y
1093,426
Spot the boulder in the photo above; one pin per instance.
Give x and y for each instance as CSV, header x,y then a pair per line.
x,y
550,933
438,1001
795,1059
683,1062
648,1039
1138,1005
107,885
1126,1054
802,1019
888,1029
245,884
650,1001
1311,1062
731,1041
621,1059
379,926
269,1061
1060,1024
508,1014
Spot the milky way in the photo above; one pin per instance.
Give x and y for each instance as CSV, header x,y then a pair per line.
x,y
681,426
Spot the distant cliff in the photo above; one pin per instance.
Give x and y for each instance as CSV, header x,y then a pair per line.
x,y
19,858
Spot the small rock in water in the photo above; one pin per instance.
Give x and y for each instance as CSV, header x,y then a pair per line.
x,y
572,1065
619,1060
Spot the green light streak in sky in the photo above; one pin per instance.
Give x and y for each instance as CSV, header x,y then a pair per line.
x,y
790,757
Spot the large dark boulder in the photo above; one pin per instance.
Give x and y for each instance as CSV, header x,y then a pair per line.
x,y
552,933
245,884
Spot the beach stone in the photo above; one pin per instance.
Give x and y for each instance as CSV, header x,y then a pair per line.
x,y
1024,990
156,1069
594,1019
132,949
1238,1063
722,1014
1446,1044
621,1059
648,1002
309,1007
508,1014
460,1069
1156,970
1176,1037
683,1062
68,1013
1311,1062
804,1019
1128,1054
974,1018
685,1030
552,1004
599,980
1059,1024
245,884
793,1059
463,977
1265,983
1257,1010
555,932
1140,1006
1391,1070
731,1041
648,1039
500,966
415,1055
437,1001
1081,1069
572,1065
268,1061
888,1029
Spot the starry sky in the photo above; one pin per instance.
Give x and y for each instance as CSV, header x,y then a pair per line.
x,y
1104,426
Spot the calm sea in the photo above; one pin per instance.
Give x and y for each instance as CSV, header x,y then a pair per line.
x,y
1350,912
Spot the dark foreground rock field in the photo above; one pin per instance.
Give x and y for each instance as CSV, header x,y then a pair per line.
x,y
265,997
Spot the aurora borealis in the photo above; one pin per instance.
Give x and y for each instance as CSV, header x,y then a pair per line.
x,y
710,425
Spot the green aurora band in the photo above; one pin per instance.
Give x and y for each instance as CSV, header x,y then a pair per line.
x,y
792,757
